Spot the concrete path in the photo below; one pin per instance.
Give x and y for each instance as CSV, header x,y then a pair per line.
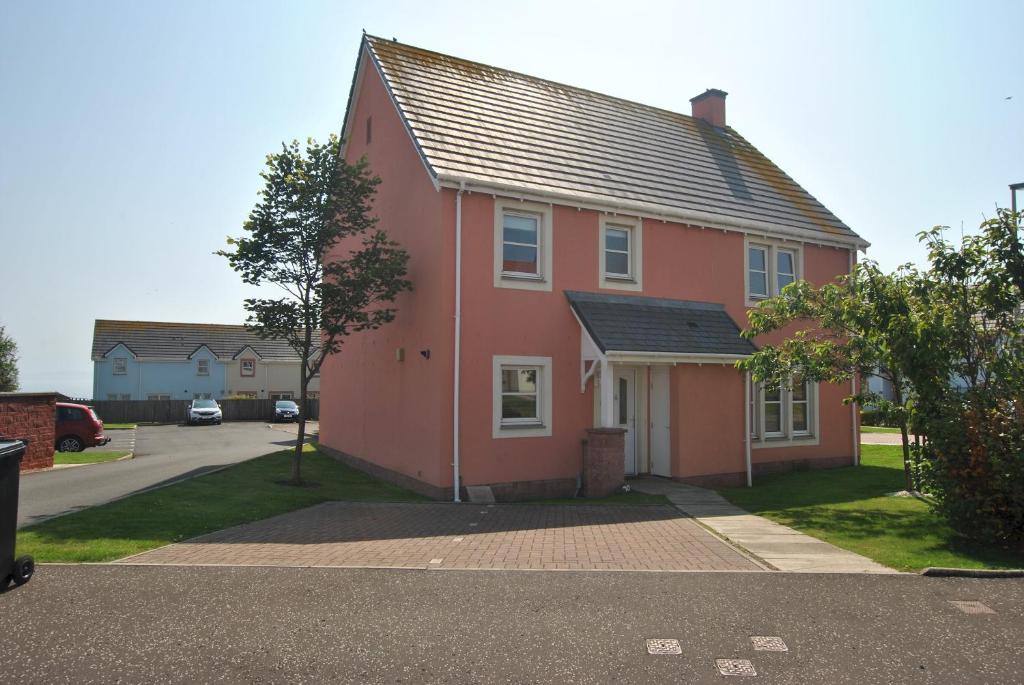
x,y
778,545
881,438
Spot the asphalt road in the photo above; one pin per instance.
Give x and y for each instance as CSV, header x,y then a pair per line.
x,y
162,454
171,624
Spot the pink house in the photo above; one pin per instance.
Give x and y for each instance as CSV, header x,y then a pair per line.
x,y
582,266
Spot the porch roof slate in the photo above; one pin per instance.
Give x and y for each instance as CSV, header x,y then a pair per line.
x,y
630,323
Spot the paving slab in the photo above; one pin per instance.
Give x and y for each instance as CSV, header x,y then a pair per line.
x,y
779,546
440,536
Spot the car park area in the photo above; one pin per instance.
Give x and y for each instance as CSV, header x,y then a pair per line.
x,y
163,454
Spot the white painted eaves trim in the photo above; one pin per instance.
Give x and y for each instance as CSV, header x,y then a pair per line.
x,y
626,357
649,211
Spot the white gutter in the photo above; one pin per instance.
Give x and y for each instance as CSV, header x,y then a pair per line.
x,y
746,425
853,405
652,211
458,344
624,356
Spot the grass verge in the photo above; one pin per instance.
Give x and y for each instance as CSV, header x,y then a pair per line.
x,y
85,457
849,508
879,429
119,426
239,494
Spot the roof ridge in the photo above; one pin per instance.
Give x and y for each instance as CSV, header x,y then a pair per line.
x,y
369,38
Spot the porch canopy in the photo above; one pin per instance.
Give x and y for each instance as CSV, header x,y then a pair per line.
x,y
629,329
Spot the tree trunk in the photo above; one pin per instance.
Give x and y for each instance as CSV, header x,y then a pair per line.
x,y
301,437
897,392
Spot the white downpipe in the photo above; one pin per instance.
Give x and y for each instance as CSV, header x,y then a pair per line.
x,y
746,427
458,343
853,405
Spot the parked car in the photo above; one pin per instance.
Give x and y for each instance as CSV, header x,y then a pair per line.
x,y
286,410
203,411
78,427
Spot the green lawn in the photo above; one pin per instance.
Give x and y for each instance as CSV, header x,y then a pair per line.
x,y
242,493
119,426
878,429
849,508
85,457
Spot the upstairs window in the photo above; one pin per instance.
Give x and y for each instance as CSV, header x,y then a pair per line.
x,y
120,366
616,253
202,367
785,268
770,268
621,253
248,367
521,245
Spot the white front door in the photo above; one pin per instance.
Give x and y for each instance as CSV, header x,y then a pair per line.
x,y
625,412
661,462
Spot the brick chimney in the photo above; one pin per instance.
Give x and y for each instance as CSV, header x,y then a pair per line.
x,y
710,106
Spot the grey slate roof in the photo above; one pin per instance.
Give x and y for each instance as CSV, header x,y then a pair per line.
x,y
628,323
180,340
503,129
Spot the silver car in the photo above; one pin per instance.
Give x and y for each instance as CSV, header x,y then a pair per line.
x,y
203,411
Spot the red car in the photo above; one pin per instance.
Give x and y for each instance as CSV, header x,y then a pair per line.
x,y
78,427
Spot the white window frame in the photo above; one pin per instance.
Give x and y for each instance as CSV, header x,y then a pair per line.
x,y
634,279
772,249
202,395
279,395
760,438
120,366
545,246
158,396
795,274
517,428
203,367
241,368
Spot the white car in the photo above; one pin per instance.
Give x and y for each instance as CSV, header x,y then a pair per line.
x,y
203,411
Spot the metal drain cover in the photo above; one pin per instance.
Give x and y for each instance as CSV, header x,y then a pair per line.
x,y
768,644
663,646
735,667
971,607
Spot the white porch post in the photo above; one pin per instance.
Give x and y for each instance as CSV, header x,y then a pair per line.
x,y
607,395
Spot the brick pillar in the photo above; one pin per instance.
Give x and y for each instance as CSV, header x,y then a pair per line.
x,y
604,461
31,416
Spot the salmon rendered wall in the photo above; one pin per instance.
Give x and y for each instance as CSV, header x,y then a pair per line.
x,y
395,413
680,262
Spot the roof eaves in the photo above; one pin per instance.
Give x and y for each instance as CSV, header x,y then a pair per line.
x,y
661,212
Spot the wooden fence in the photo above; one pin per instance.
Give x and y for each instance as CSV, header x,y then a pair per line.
x,y
173,411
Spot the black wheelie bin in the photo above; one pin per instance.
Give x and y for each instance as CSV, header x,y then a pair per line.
x,y
17,569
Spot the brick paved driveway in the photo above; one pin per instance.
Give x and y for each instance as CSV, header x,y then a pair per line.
x,y
466,536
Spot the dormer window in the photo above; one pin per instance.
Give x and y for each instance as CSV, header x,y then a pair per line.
x,y
202,367
120,366
248,367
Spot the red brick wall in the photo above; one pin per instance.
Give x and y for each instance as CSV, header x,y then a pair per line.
x,y
30,416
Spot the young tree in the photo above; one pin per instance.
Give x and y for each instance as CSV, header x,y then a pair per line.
x,y
971,402
8,363
862,323
312,235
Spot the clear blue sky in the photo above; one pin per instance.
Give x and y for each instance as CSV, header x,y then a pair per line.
x,y
132,133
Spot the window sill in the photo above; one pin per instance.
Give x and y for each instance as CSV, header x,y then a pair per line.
x,y
522,426
784,441
522,277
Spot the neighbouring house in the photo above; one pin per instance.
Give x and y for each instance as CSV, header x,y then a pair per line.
x,y
583,266
151,360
